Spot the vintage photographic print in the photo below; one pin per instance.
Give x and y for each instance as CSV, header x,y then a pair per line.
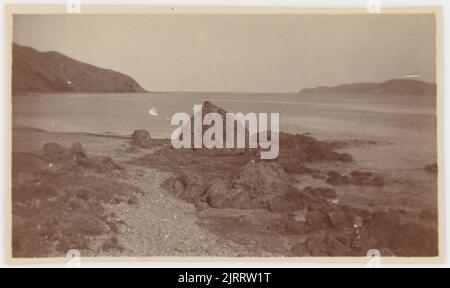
x,y
225,133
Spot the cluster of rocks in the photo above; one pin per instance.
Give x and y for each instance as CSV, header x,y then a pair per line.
x,y
295,150
238,180
300,169
68,193
381,230
358,178
255,186
332,229
76,157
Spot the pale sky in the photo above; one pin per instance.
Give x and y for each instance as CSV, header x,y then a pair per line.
x,y
260,53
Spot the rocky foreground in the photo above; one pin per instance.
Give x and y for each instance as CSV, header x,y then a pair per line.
x,y
257,203
150,199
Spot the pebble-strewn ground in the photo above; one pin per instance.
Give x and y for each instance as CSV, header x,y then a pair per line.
x,y
108,197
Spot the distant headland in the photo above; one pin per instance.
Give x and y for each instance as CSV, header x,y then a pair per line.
x,y
52,72
394,86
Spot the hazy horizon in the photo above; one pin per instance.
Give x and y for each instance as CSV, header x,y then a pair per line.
x,y
241,53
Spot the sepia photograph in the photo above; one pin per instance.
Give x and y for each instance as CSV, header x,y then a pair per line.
x,y
284,134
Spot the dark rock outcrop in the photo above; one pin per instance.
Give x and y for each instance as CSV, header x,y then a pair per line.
x,y
356,178
267,193
142,138
256,185
53,149
77,151
296,150
75,158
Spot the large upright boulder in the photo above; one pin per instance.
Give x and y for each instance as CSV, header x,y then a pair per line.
x,y
208,107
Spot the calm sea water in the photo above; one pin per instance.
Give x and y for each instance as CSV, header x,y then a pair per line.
x,y
406,120
333,116
405,125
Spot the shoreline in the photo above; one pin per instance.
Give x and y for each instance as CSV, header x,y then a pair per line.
x,y
186,177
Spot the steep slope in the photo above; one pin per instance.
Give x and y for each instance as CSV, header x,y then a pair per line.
x,y
48,72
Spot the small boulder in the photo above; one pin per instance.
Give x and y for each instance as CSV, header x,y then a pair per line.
x,y
316,245
141,138
335,178
111,165
201,206
53,149
337,219
77,151
360,178
178,187
315,219
194,193
216,194
300,250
